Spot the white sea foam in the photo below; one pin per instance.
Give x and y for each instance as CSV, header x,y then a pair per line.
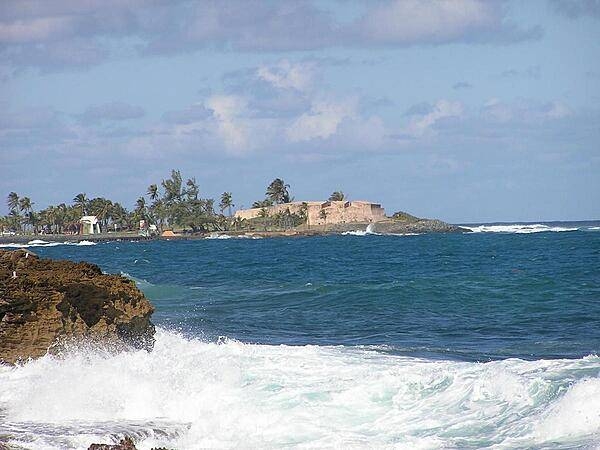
x,y
84,243
190,394
518,228
41,243
38,241
367,231
217,236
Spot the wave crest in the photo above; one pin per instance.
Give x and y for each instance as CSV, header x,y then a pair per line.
x,y
188,394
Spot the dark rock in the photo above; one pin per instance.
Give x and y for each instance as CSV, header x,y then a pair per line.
x,y
49,303
124,444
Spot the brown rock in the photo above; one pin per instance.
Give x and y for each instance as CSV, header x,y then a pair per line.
x,y
124,444
50,303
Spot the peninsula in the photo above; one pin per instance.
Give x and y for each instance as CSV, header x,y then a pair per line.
x,y
176,210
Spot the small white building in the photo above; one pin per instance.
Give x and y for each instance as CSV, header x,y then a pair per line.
x,y
89,225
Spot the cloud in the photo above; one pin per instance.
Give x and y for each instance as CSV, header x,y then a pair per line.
x,y
226,110
32,130
115,111
35,30
413,22
286,75
244,25
30,118
419,109
523,111
321,121
55,56
64,34
574,9
419,125
462,85
191,114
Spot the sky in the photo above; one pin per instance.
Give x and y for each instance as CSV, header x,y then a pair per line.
x,y
463,110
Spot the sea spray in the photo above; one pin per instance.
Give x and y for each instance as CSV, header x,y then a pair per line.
x,y
191,394
519,228
41,243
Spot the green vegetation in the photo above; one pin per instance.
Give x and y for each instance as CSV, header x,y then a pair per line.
x,y
277,192
174,204
226,202
337,196
171,204
404,217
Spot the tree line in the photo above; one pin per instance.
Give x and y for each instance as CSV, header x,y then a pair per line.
x,y
170,204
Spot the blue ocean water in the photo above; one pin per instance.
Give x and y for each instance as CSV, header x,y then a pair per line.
x,y
463,340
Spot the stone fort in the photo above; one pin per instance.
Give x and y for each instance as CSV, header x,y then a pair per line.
x,y
334,212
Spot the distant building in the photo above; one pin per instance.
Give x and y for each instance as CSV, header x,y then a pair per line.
x,y
89,225
321,213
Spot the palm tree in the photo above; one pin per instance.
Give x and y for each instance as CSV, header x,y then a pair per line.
x,y
337,196
12,201
172,187
25,204
192,190
226,202
100,207
32,218
14,220
303,213
81,201
323,215
61,217
118,214
277,191
140,208
262,203
153,192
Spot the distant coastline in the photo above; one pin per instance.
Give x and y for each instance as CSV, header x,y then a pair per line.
x,y
388,227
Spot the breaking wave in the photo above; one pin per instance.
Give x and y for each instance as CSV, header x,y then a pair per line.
x,y
193,394
41,243
519,228
367,231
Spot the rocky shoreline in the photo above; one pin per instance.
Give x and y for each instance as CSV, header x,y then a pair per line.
x,y
388,226
45,305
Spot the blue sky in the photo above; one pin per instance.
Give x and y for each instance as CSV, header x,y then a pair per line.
x,y
464,110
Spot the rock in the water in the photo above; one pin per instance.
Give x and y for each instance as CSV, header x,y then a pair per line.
x,y
416,226
124,444
44,303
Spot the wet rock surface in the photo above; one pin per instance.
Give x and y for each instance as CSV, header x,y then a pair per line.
x,y
124,444
45,304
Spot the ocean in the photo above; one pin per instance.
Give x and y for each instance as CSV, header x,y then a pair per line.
x,y
487,339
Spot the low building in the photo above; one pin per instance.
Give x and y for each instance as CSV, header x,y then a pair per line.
x,y
89,225
323,213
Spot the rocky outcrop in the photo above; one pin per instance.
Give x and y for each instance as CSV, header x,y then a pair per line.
x,y
395,226
124,444
416,226
45,304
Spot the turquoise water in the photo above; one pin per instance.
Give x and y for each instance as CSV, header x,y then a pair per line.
x,y
473,297
463,340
